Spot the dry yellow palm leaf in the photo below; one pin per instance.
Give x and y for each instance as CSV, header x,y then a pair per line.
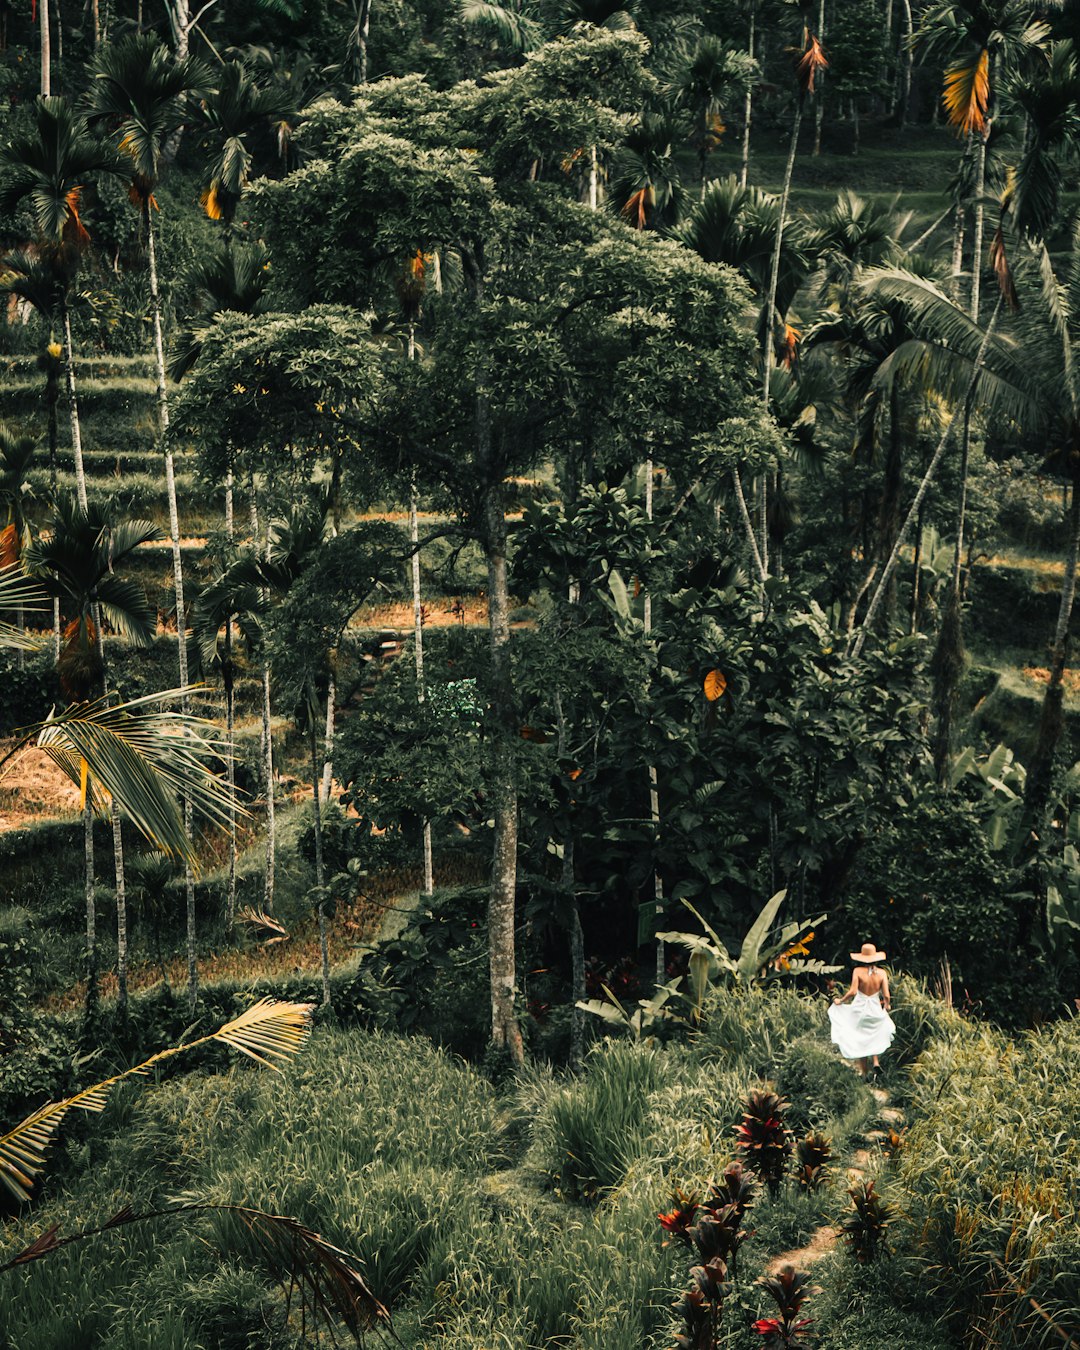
x,y
967,94
268,1031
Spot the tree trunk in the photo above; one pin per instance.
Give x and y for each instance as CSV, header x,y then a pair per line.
x,y
268,743
891,496
91,909
654,788
819,96
770,318
748,109
52,397
418,649
947,663
46,49
977,240
328,735
594,179
320,868
73,402
505,1031
909,57
228,677
363,28
178,564
1052,717
118,856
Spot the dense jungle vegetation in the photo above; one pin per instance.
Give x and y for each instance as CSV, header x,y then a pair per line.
x,y
528,531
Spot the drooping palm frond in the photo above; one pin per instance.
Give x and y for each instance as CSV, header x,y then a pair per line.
x,y
136,90
332,1291
966,94
514,25
268,1031
19,591
50,166
145,756
36,278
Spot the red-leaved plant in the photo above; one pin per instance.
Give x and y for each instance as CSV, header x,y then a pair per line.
x,y
763,1137
789,1289
711,1227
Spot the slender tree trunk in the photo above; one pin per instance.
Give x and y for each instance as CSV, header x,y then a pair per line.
x,y
363,28
1052,716
505,1031
770,320
328,736
320,868
916,598
908,58
568,883
858,639
819,96
594,179
748,109
46,49
892,495
52,397
228,676
73,403
977,239
418,632
268,743
178,569
418,649
91,907
118,854
654,786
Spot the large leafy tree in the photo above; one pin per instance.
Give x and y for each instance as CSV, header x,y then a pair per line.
x,y
520,356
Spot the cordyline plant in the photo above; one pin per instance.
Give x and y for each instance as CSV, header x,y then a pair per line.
x,y
711,1227
763,1137
865,1227
789,1289
814,1154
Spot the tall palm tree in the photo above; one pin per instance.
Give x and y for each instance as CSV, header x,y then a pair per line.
x,y
77,561
1030,376
646,186
982,40
713,76
48,168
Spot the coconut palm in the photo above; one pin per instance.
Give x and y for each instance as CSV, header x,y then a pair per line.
x,y
47,169
77,561
1028,375
713,76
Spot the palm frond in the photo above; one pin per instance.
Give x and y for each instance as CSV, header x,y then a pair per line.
x,y
267,1031
512,27
967,93
19,591
146,757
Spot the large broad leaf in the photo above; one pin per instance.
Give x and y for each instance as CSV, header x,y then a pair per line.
x,y
268,1031
750,958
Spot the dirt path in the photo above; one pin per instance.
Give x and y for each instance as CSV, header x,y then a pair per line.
x,y
823,1239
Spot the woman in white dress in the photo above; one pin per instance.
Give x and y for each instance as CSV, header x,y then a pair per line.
x,y
865,1030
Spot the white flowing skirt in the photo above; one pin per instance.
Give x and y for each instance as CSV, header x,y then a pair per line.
x,y
861,1028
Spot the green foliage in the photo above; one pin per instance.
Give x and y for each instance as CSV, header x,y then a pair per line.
x,y
588,1131
928,885
817,1084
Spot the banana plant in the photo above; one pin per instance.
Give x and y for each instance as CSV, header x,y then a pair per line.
x,y
760,957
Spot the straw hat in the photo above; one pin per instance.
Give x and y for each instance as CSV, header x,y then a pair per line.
x,y
867,954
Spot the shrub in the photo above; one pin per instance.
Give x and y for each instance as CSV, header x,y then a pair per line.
x,y
752,1026
590,1130
818,1085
